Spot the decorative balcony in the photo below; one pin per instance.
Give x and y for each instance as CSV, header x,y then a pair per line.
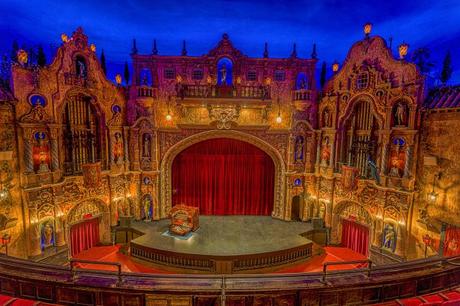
x,y
303,98
77,80
232,92
147,92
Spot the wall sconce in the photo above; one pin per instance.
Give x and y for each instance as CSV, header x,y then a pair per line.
x,y
278,118
433,196
23,57
6,239
168,115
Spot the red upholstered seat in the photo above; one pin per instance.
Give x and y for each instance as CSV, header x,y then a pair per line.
x,y
451,303
414,301
5,299
22,302
433,298
452,295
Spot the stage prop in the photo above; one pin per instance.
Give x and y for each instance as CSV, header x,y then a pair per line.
x,y
184,219
355,236
224,176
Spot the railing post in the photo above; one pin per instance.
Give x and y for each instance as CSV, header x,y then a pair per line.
x,y
324,272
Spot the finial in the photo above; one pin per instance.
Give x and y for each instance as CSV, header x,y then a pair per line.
x,y
294,50
134,48
266,50
184,50
314,55
154,49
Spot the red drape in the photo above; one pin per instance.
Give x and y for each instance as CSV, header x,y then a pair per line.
x,y
224,177
452,241
355,236
84,235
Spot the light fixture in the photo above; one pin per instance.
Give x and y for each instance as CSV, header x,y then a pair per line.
x,y
93,47
367,29
22,56
432,196
118,79
168,117
403,48
3,194
278,118
6,239
335,67
64,37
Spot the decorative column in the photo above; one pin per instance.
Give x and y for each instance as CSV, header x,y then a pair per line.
x,y
383,164
60,231
399,241
125,146
318,148
332,146
54,148
34,233
28,158
133,141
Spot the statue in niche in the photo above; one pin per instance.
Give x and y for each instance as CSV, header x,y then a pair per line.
x,y
327,122
397,161
147,208
47,235
325,153
41,153
400,114
118,148
322,211
298,155
223,71
146,146
389,238
303,83
145,78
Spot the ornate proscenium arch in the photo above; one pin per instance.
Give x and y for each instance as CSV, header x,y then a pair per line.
x,y
344,209
166,167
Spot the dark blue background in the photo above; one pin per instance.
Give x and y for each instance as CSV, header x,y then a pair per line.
x,y
333,25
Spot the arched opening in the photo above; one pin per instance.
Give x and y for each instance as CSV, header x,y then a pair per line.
x,y
353,226
301,81
296,208
224,176
360,138
86,224
82,135
224,72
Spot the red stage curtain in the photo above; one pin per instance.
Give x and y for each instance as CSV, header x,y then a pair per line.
x,y
355,236
452,241
84,235
224,177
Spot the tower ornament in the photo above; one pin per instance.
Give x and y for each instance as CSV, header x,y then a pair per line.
x,y
224,115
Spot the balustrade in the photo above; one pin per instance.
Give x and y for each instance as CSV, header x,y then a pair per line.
x,y
214,91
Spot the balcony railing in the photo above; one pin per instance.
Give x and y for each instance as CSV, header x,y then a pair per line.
x,y
147,92
214,91
302,95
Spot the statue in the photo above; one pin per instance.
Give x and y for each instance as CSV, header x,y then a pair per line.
x,y
400,114
81,69
118,148
223,77
298,155
327,118
146,151
325,153
147,208
47,235
389,238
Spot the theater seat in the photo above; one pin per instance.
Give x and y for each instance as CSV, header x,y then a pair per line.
x,y
433,298
451,303
4,299
451,295
414,301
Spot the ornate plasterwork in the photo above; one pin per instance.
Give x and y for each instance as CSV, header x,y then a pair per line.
x,y
224,116
94,207
166,167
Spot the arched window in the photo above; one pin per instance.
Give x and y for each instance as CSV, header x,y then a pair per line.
x,y
359,146
301,81
81,69
224,72
82,137
145,77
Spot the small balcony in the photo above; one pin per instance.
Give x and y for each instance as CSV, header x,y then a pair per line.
x,y
214,91
72,79
147,92
303,98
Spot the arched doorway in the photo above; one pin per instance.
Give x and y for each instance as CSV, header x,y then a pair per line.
x,y
224,176
353,226
87,225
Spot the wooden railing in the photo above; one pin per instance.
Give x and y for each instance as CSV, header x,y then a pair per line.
x,y
302,95
74,267
351,262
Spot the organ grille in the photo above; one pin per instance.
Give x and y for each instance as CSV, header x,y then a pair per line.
x,y
81,134
361,138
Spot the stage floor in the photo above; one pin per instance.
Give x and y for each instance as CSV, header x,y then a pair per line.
x,y
226,236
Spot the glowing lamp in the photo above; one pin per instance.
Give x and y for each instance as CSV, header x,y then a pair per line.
x,y
64,37
118,79
426,239
403,48
268,81
22,56
367,28
168,117
208,79
335,67
238,80
93,47
432,196
3,194
178,78
279,119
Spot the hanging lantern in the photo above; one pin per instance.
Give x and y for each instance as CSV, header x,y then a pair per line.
x,y
403,48
22,56
208,79
367,28
279,119
335,67
6,238
268,81
93,47
118,79
179,78
64,37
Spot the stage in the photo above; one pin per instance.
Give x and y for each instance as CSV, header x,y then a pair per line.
x,y
224,244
